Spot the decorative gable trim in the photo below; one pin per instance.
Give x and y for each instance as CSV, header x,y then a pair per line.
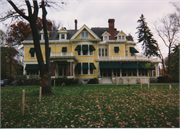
x,y
88,30
121,33
62,30
105,33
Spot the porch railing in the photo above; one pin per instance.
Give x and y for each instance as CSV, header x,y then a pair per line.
x,y
126,58
62,54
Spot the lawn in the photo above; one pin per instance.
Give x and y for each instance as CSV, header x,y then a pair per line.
x,y
91,106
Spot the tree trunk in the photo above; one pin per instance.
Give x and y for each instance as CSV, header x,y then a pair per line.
x,y
169,59
46,89
37,47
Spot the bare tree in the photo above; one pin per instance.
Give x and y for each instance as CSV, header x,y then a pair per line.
x,y
168,31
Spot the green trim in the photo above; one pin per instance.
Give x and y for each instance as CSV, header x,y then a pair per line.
x,y
49,49
85,47
32,50
91,47
110,65
130,65
32,67
85,66
64,49
133,50
78,48
78,66
142,65
92,66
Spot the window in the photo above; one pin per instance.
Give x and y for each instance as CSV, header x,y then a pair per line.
x,y
129,72
91,52
85,52
79,52
62,36
116,72
105,38
99,52
32,72
102,52
132,54
62,70
116,49
134,72
123,72
32,54
126,52
84,34
119,37
91,70
105,51
85,71
122,37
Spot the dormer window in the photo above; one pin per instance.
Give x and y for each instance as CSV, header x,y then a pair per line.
x,y
84,35
121,37
62,36
106,38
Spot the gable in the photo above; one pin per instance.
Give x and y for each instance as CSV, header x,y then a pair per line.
x,y
106,34
84,28
121,33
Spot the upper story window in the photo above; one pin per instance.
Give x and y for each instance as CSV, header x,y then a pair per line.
x,y
32,52
102,52
106,38
84,34
116,50
126,53
62,36
121,37
85,50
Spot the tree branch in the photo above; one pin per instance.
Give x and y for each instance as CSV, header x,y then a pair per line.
x,y
29,7
17,10
35,9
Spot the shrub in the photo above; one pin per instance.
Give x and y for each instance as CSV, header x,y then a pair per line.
x,y
93,81
64,81
165,78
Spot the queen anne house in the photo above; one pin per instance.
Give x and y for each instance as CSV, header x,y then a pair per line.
x,y
103,53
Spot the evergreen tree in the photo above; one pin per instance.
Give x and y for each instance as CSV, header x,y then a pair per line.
x,y
149,44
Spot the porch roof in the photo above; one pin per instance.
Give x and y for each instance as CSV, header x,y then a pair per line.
x,y
110,65
130,65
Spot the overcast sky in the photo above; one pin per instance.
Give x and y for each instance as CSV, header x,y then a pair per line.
x,y
95,13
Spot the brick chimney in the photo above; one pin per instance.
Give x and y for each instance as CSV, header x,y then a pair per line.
x,y
49,26
111,29
75,21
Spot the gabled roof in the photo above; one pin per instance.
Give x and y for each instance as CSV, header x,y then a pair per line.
x,y
105,33
121,33
86,28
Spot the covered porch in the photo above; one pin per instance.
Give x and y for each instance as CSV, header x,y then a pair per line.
x,y
110,71
62,65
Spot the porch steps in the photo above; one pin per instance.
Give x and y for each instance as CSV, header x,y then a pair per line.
x,y
106,80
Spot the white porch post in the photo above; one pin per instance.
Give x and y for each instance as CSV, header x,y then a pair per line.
x,y
137,72
120,72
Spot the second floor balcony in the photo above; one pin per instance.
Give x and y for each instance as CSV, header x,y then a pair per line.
x,y
127,58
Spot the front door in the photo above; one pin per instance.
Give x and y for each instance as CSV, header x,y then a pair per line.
x,y
62,70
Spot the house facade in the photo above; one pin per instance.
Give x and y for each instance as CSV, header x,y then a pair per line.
x,y
103,53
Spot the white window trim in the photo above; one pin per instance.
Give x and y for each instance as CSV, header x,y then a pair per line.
x,y
81,52
121,37
89,73
104,38
65,36
84,33
42,36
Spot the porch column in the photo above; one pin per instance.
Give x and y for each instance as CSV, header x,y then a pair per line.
x,y
152,73
137,72
120,72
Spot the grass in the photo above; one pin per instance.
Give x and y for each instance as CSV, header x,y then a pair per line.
x,y
91,106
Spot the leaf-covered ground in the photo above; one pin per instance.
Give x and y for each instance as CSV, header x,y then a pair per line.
x,y
91,106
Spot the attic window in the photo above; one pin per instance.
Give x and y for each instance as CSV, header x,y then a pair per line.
x,y
106,38
84,34
62,36
121,37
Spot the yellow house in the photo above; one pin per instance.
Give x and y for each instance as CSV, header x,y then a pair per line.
x,y
103,53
